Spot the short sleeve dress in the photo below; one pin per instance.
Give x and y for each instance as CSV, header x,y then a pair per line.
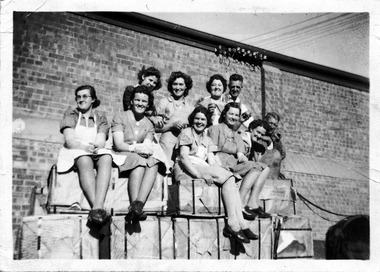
x,y
173,111
229,143
199,147
134,132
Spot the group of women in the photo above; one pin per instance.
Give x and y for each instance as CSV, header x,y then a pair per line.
x,y
199,141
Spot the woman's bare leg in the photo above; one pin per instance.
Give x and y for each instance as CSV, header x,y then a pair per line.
x,y
134,182
230,201
247,184
85,166
148,179
103,176
253,201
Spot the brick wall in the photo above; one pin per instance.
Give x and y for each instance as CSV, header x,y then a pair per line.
x,y
319,118
56,52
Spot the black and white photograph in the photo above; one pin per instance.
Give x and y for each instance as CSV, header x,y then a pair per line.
x,y
189,136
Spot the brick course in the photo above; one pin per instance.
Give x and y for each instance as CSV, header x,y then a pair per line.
x,y
56,52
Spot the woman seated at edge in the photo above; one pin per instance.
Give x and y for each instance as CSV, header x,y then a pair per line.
x,y
195,148
230,155
133,135
257,130
84,132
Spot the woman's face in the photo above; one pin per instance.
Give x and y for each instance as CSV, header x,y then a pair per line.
x,y
232,116
178,88
200,122
216,89
150,81
257,133
84,100
140,103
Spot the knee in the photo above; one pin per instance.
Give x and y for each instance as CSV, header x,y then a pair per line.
x,y
105,160
84,162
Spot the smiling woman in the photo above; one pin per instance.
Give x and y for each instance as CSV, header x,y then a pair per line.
x,y
85,133
133,136
230,155
196,160
175,109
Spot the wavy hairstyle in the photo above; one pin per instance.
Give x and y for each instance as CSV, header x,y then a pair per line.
x,y
226,109
142,89
150,71
188,81
203,110
216,77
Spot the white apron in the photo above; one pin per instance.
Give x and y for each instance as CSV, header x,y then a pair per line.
x,y
86,135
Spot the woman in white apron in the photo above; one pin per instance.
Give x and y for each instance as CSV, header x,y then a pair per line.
x,y
133,134
195,148
84,132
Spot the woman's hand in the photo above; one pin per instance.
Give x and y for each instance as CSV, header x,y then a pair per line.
x,y
144,150
179,125
209,179
157,121
266,139
90,148
241,157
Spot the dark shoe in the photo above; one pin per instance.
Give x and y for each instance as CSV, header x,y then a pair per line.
x,y
142,216
98,216
248,215
260,212
136,211
250,235
137,207
237,235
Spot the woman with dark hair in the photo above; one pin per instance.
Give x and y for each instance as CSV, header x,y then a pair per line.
x,y
150,77
132,136
85,132
196,160
230,155
175,109
257,130
215,103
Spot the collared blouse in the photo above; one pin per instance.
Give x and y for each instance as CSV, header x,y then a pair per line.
x,y
133,131
226,139
189,137
70,120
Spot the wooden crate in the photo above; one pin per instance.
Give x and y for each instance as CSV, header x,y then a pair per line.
x,y
198,238
278,197
256,249
195,197
57,237
150,239
117,196
64,190
295,238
